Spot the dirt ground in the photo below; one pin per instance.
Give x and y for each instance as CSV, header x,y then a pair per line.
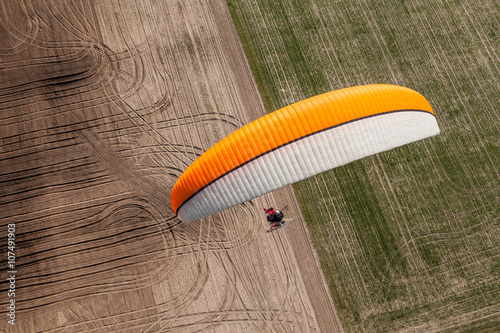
x,y
103,105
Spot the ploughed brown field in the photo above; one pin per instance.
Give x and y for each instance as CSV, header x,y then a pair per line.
x,y
103,105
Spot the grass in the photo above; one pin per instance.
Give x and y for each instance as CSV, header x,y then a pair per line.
x,y
408,239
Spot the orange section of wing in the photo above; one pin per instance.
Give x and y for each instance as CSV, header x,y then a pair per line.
x,y
290,123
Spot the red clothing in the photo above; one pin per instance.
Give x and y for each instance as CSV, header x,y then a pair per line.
x,y
270,210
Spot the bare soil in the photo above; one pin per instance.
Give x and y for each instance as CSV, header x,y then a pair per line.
x,y
103,105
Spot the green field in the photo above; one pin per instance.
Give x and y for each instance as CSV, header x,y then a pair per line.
x,y
409,239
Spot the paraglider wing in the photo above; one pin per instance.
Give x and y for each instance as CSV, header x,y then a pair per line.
x,y
299,141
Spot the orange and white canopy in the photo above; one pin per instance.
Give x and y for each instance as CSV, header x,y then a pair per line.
x,y
299,141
